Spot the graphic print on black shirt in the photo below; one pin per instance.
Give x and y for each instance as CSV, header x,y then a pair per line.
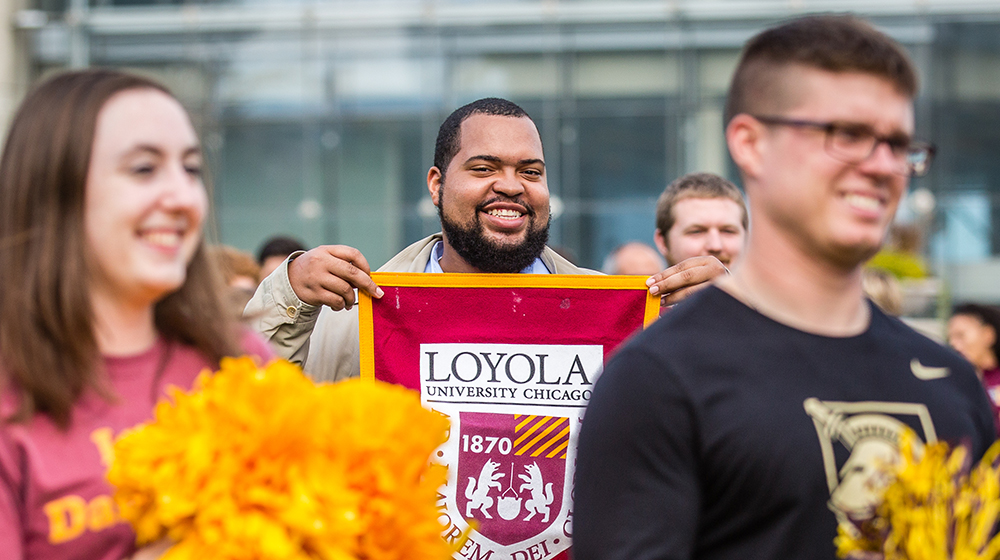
x,y
865,437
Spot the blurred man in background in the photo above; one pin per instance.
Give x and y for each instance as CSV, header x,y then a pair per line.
x,y
274,251
701,214
633,258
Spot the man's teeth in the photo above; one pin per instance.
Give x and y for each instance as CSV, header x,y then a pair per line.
x,y
162,238
504,213
863,202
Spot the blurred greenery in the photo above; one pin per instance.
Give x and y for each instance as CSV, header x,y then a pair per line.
x,y
899,264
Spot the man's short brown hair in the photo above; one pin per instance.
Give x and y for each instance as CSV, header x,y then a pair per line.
x,y
696,185
835,43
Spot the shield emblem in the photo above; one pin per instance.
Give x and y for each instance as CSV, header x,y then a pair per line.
x,y
511,473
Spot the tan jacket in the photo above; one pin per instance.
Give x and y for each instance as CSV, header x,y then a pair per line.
x,y
293,326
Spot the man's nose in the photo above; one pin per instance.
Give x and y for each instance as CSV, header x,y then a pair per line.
x,y
713,241
508,183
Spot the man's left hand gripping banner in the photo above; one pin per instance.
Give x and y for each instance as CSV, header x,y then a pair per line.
x,y
511,359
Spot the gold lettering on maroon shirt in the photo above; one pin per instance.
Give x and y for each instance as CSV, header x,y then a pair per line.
x,y
104,439
71,516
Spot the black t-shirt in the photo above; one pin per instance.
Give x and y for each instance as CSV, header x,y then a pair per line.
x,y
720,433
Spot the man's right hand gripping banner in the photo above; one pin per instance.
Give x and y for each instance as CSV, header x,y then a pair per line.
x,y
511,359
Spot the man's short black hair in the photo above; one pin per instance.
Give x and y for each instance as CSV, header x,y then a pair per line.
x,y
278,246
448,135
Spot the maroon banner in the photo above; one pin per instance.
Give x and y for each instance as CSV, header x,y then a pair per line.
x,y
512,360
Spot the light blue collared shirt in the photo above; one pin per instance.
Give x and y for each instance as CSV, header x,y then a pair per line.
x,y
537,267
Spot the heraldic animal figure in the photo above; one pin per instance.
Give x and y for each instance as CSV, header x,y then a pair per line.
x,y
478,494
539,501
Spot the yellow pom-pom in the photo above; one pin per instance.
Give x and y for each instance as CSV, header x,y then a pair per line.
x,y
934,508
261,463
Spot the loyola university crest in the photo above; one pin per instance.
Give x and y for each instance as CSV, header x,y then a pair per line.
x,y
511,473
515,411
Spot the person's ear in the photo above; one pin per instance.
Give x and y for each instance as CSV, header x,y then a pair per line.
x,y
434,184
661,243
746,140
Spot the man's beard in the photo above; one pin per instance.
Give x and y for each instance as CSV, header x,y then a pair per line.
x,y
484,254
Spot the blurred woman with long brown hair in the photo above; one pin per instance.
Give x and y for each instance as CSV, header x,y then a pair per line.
x,y
106,298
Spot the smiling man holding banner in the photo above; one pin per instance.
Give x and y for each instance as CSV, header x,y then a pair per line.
x,y
490,186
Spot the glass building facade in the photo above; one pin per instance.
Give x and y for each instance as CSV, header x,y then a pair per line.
x,y
319,118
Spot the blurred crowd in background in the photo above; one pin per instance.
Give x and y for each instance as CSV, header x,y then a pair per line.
x,y
318,118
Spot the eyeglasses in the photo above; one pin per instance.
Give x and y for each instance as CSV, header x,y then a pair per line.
x,y
855,142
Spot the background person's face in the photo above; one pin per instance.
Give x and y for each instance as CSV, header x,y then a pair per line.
x,y
834,210
145,201
637,259
705,227
269,264
972,339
